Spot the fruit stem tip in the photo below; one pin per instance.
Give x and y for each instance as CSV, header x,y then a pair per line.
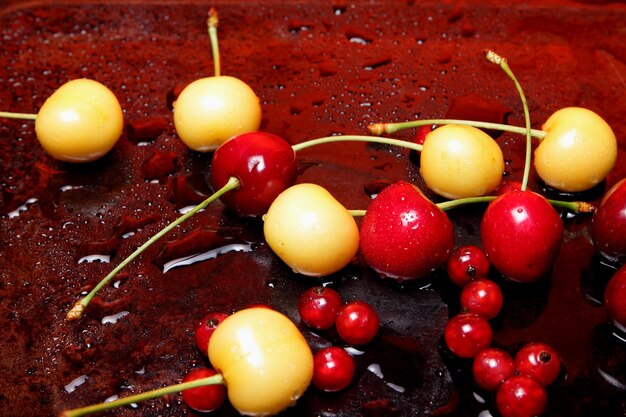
x,y
76,312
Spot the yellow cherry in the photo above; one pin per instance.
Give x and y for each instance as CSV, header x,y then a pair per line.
x,y
311,231
461,161
79,122
264,359
577,152
211,110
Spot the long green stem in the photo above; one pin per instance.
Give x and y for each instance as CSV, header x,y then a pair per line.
x,y
356,138
502,62
574,206
77,311
213,23
149,395
382,128
12,115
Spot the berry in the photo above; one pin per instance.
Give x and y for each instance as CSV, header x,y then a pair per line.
x,y
461,161
318,307
205,328
482,297
491,367
265,166
211,110
404,235
265,360
521,396
467,334
204,399
615,298
79,122
577,152
539,361
311,231
467,263
357,323
521,233
333,369
608,226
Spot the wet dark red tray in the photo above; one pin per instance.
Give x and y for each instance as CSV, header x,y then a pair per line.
x,y
320,68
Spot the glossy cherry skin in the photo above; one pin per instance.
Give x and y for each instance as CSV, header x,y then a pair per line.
x,y
318,307
539,361
422,132
578,150
491,367
482,297
333,369
467,334
205,328
608,226
265,166
357,323
615,298
521,233
404,235
521,396
204,399
467,263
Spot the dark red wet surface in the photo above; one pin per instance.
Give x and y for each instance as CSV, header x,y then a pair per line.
x,y
320,68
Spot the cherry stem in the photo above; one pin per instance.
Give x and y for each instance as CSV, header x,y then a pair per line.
x,y
149,395
12,115
213,23
382,128
502,62
77,311
357,138
574,206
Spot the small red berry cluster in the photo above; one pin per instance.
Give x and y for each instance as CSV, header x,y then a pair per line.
x,y
356,323
519,383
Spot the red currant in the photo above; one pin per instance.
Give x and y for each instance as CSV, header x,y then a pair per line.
x,y
205,329
521,396
615,298
467,334
467,263
207,398
318,307
333,369
492,367
539,361
482,297
357,323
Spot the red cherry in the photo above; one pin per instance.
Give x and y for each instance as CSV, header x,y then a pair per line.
x,y
539,361
482,297
205,329
264,164
403,234
318,307
521,396
467,334
422,132
357,323
608,226
521,233
467,263
506,186
615,298
333,369
491,367
207,398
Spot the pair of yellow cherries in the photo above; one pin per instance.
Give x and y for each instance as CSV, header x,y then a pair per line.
x,y
83,120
